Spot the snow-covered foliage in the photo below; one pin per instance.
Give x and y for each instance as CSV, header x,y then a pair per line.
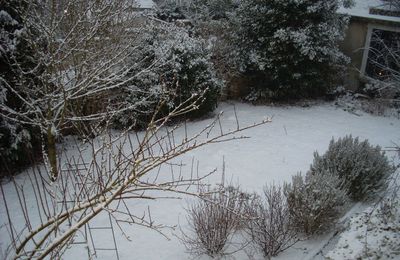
x,y
362,168
16,139
360,103
203,10
81,53
269,222
196,10
180,68
290,47
209,19
171,11
314,201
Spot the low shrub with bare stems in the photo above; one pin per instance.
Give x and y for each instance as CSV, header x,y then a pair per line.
x,y
213,220
269,222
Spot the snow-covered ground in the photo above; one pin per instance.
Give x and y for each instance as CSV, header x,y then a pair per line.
x,y
274,153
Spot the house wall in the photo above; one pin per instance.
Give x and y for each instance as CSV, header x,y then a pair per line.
x,y
353,46
356,45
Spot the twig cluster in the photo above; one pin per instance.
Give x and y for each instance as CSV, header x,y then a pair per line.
x,y
213,220
105,174
269,224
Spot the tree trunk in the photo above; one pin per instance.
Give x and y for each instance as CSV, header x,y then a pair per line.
x,y
52,153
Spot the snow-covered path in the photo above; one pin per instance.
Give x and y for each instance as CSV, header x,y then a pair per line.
x,y
274,152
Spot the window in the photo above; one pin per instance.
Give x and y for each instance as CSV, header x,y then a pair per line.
x,y
382,54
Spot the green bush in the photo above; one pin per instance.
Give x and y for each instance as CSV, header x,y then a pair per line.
x,y
362,168
176,67
314,202
289,48
19,142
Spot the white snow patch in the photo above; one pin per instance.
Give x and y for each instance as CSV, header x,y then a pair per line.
x,y
274,153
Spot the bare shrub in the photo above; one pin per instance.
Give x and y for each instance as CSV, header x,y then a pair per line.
x,y
213,220
314,201
269,222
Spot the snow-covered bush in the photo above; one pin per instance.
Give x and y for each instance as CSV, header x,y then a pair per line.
x,y
210,20
171,11
206,10
289,47
362,168
17,140
213,220
197,11
178,68
269,222
314,202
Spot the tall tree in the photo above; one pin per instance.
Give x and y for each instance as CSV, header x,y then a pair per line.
x,y
80,57
292,45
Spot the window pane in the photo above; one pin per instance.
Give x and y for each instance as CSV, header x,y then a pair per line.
x,y
383,56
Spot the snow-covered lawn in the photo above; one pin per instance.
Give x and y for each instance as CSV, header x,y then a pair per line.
x,y
274,153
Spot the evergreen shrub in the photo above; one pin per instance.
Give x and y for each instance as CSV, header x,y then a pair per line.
x,y
363,169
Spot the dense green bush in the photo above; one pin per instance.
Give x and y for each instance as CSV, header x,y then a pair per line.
x,y
362,168
174,67
289,48
349,169
18,141
314,202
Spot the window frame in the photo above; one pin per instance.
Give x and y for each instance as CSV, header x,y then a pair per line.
x,y
371,27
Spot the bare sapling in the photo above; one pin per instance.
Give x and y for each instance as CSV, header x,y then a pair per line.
x,y
104,175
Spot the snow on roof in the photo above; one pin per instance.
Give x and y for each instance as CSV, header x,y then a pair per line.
x,y
147,4
362,8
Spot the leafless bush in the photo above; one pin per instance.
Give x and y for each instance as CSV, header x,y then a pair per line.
x,y
213,220
269,222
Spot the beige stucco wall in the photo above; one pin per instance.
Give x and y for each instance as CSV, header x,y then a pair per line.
x,y
353,46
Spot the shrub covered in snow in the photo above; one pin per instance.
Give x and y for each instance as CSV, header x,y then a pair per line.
x,y
362,168
314,201
197,11
290,47
178,68
269,222
17,140
210,20
213,220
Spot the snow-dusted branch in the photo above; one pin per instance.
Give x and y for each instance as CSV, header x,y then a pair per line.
x,y
123,166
